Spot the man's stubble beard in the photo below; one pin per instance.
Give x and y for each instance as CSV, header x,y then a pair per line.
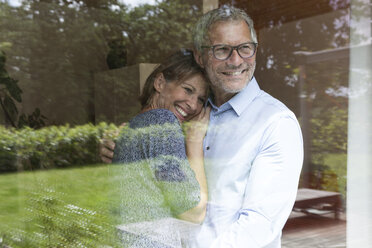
x,y
219,84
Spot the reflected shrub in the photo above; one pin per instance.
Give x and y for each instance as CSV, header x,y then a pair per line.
x,y
51,147
52,222
328,172
8,154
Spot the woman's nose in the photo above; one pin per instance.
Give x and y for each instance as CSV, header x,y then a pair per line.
x,y
192,103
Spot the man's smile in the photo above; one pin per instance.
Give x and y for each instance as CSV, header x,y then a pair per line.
x,y
234,73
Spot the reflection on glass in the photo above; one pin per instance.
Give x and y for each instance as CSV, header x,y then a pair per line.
x,y
52,53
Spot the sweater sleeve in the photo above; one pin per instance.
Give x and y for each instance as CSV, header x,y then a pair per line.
x,y
155,137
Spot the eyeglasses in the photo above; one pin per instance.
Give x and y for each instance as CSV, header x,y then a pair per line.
x,y
223,52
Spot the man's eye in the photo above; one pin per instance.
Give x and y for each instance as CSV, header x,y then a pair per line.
x,y
245,48
222,49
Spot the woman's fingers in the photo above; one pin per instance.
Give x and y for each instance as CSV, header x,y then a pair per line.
x,y
206,114
196,129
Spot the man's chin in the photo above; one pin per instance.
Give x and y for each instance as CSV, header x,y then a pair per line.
x,y
234,88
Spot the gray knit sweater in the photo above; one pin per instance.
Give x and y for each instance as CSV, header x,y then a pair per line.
x,y
156,180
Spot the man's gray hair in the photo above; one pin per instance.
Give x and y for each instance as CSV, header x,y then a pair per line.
x,y
224,13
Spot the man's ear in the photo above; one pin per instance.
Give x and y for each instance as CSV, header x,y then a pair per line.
x,y
198,58
159,82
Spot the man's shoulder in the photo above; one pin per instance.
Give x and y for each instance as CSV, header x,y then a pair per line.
x,y
269,106
254,100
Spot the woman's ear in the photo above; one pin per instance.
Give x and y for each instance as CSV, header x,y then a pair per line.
x,y
159,82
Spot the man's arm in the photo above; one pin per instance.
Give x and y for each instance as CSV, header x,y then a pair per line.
x,y
106,150
107,146
271,189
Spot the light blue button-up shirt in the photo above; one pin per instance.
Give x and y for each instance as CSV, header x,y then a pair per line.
x,y
253,157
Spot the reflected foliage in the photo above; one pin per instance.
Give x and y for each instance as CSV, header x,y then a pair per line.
x,y
329,173
328,130
117,56
52,222
54,47
9,93
51,147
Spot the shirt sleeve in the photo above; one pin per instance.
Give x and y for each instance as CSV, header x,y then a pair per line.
x,y
271,189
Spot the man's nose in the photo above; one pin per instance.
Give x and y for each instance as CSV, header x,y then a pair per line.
x,y
235,58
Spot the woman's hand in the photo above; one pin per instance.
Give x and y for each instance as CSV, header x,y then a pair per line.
x,y
196,129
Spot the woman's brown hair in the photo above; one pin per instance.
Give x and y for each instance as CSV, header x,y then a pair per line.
x,y
178,67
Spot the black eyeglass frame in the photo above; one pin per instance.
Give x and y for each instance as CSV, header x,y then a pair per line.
x,y
232,49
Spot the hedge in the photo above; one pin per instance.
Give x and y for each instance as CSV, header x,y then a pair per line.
x,y
51,147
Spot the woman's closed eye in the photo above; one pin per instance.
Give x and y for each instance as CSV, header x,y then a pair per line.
x,y
188,90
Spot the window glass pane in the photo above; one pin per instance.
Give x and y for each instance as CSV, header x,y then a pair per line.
x,y
65,67
71,73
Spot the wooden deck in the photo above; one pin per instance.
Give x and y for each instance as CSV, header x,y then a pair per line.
x,y
302,231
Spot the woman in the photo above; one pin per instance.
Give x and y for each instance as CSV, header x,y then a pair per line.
x,y
159,180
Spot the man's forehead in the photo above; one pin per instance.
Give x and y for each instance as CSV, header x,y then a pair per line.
x,y
224,27
226,21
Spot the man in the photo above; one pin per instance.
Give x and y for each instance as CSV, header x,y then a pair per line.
x,y
253,148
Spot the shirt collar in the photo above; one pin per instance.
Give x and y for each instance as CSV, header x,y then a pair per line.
x,y
241,100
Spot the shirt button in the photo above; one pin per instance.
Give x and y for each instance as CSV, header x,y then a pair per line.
x,y
207,148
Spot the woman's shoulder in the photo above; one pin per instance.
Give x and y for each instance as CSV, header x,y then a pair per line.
x,y
153,117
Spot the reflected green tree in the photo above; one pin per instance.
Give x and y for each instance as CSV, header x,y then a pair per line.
x,y
10,93
54,47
